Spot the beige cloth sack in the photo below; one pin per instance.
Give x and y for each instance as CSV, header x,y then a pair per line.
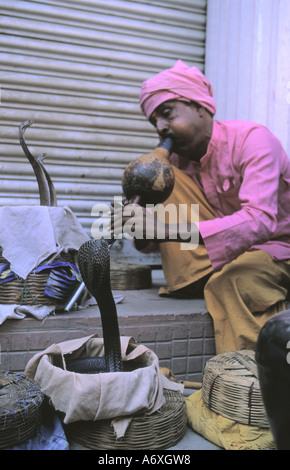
x,y
90,397
31,234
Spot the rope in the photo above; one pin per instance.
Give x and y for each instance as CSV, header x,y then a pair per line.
x,y
25,291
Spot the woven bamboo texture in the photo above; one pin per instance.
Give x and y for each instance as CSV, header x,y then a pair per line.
x,y
31,290
20,409
159,430
130,276
231,388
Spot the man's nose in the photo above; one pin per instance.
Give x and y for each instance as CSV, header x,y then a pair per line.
x,y
161,126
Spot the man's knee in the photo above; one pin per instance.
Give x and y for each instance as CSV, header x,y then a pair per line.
x,y
222,280
236,287
249,276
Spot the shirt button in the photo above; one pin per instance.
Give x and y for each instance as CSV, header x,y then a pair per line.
x,y
226,185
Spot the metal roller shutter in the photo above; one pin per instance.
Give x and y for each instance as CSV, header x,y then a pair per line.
x,y
75,68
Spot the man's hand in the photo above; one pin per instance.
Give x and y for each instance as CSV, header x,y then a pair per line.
x,y
145,224
135,221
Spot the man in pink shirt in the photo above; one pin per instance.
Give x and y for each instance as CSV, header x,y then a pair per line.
x,y
239,175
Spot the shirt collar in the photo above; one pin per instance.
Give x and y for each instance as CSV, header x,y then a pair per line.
x,y
212,143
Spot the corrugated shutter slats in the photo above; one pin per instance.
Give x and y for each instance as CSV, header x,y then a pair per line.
x,y
75,68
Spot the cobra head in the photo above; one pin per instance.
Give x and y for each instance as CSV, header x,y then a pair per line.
x,y
94,265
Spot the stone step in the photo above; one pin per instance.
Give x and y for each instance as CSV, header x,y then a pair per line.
x,y
180,332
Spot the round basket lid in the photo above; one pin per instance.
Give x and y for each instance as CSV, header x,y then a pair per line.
x,y
159,430
130,276
20,404
231,388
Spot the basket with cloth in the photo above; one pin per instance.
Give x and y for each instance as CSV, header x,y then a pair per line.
x,y
229,409
37,262
136,409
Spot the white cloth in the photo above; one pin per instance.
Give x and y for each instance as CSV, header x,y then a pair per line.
x,y
89,397
39,312
18,312
30,234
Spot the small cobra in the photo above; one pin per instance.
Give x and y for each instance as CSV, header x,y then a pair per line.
x,y
51,189
45,186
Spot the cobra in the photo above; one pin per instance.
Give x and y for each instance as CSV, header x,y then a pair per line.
x,y
94,264
94,255
45,186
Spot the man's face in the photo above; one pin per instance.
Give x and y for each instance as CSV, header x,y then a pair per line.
x,y
184,123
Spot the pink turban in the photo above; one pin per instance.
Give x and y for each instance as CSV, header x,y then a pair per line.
x,y
181,83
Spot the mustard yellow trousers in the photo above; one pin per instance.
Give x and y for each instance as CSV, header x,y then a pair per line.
x,y
242,296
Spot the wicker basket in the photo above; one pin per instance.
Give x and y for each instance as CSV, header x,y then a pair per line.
x,y
159,430
231,388
30,291
20,409
130,276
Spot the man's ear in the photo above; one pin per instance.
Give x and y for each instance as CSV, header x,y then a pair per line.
x,y
201,111
205,114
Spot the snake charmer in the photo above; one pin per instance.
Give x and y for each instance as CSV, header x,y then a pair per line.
x,y
239,175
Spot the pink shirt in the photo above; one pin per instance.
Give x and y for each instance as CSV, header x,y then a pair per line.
x,y
245,176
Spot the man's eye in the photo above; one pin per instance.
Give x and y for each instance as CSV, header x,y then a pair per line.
x,y
166,113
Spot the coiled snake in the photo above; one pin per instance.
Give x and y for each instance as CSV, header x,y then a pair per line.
x,y
94,265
